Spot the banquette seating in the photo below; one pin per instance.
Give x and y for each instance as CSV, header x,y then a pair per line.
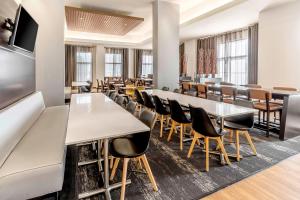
x,y
32,148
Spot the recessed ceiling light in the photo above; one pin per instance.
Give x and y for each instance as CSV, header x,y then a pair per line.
x,y
125,24
81,18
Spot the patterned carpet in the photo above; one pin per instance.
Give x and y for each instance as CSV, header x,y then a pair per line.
x,y
178,177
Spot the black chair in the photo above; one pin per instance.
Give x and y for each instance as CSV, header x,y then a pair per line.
x,y
133,147
165,88
178,117
162,111
139,99
87,88
120,100
177,90
203,128
241,125
131,107
113,96
148,102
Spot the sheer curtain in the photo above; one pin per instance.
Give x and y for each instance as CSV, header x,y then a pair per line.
x,y
147,62
79,62
113,62
232,57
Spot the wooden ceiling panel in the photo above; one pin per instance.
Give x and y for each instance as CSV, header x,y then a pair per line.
x,y
93,21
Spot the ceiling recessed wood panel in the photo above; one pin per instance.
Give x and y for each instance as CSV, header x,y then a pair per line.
x,y
93,21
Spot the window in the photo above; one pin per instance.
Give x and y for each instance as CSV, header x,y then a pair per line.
x,y
232,61
147,64
113,63
83,66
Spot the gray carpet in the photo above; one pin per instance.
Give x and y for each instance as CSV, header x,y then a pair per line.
x,y
178,177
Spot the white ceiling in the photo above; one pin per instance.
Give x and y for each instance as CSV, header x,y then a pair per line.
x,y
197,18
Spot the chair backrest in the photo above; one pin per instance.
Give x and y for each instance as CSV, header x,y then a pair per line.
x,y
165,88
201,122
177,113
252,86
98,84
16,120
141,88
102,85
148,102
113,96
131,107
201,88
176,90
120,100
148,118
257,94
185,86
138,97
159,106
285,88
228,91
214,97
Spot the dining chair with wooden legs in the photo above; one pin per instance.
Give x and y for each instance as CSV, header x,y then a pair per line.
x,y
133,147
162,111
178,117
204,128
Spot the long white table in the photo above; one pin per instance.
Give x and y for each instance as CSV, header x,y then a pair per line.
x,y
217,109
95,117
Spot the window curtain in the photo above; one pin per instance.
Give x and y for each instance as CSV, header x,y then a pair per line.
x,y
206,56
114,62
232,56
79,63
253,54
147,62
182,60
125,64
138,62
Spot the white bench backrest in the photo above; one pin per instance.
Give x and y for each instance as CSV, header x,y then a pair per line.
x,y
16,120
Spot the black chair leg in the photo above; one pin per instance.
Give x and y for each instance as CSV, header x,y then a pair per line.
x,y
268,124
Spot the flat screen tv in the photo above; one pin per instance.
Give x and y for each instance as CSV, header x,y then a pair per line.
x,y
25,31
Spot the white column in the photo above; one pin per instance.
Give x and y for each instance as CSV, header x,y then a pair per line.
x,y
165,44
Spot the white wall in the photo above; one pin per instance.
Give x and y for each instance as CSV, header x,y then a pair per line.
x,y
49,49
190,51
279,46
165,44
100,62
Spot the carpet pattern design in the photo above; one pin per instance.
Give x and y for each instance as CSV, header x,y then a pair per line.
x,y
177,176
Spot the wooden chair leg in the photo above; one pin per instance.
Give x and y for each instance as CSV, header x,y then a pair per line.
x,y
181,136
113,172
111,162
192,145
206,140
247,135
171,131
237,144
223,150
161,125
149,172
124,177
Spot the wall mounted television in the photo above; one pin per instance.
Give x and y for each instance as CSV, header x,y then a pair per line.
x,y
25,31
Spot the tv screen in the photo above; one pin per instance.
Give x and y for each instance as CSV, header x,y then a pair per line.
x,y
25,31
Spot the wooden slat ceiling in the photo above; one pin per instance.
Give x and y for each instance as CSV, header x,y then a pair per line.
x,y
94,21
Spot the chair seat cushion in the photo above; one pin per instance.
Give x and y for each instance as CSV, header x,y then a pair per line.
x,y
36,166
202,95
263,106
230,101
125,148
234,126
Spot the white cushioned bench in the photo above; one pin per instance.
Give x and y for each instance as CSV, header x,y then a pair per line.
x,y
32,148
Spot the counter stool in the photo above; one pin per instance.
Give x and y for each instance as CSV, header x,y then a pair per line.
x,y
178,117
162,112
202,90
241,125
202,127
228,94
133,147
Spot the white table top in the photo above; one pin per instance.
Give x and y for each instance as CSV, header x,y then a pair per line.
x,y
218,109
78,84
93,116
